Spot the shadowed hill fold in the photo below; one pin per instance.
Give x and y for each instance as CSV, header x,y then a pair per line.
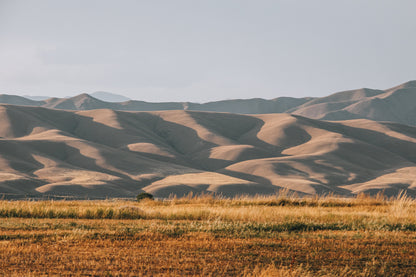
x,y
106,153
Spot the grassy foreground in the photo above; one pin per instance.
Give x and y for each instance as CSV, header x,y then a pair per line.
x,y
262,236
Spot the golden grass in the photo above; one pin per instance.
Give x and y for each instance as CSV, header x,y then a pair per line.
x,y
262,236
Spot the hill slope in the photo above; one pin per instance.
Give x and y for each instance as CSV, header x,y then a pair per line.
x,y
396,104
106,153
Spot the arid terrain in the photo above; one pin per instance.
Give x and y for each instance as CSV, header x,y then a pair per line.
x,y
271,236
208,138
107,153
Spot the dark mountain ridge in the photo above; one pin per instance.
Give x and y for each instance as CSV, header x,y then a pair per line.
x,y
396,104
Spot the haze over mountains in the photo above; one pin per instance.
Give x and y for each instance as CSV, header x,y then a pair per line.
x,y
106,153
109,97
395,104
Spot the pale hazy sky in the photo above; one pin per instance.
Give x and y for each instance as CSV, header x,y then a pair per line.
x,y
205,50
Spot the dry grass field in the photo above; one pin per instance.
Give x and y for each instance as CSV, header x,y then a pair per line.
x,y
204,236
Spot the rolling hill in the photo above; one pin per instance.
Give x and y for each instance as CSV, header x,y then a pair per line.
x,y
395,104
107,153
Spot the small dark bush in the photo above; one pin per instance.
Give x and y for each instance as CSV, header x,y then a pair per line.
x,y
144,195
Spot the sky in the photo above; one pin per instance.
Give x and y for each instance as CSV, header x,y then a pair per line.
x,y
205,50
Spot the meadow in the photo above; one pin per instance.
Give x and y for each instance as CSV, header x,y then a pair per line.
x,y
280,235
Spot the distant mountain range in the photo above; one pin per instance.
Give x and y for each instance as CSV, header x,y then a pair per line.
x,y
396,104
100,95
109,97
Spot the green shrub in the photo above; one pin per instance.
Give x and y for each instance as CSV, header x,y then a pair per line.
x,y
144,195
